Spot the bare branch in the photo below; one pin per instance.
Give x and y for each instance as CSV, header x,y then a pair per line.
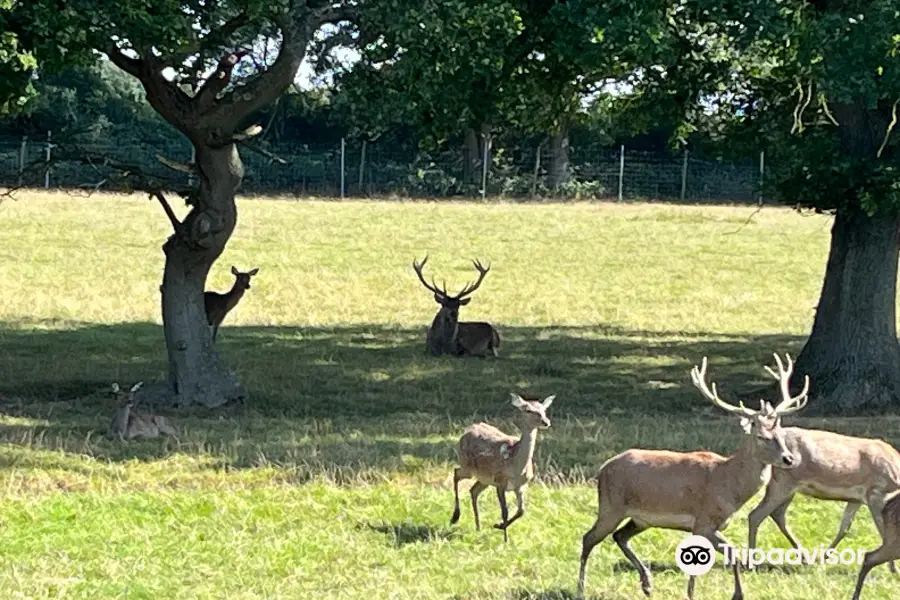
x,y
890,128
189,168
219,80
132,66
176,224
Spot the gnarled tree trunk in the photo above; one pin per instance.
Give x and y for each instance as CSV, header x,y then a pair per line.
x,y
558,174
197,374
852,356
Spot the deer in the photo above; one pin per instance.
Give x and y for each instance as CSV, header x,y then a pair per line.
x,y
830,466
890,544
697,492
129,424
496,459
219,305
447,335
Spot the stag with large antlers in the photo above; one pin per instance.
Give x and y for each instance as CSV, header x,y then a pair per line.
x,y
447,335
830,466
696,492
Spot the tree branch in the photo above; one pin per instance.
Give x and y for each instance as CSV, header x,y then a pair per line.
x,y
132,66
219,80
176,224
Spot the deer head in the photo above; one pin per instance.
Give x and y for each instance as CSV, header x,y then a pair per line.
x,y
242,280
444,326
533,412
764,424
124,398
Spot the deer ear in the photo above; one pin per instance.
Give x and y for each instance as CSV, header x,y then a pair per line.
x,y
253,272
746,425
548,401
234,271
464,301
516,400
437,298
115,388
137,386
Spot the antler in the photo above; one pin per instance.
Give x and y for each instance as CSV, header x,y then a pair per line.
x,y
417,267
788,403
482,271
698,376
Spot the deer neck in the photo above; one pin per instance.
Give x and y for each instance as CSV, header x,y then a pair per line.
x,y
524,452
445,330
233,296
746,469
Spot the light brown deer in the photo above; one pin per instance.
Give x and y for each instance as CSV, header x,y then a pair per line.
x,y
890,544
696,492
830,466
219,305
496,459
447,335
129,424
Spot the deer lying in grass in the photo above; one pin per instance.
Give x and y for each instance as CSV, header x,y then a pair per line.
x,y
496,459
890,544
219,305
695,492
447,335
830,466
130,424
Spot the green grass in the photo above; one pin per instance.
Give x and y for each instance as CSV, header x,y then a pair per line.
x,y
335,481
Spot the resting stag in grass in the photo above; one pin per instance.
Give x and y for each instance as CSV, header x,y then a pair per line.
x,y
696,492
829,466
447,335
129,424
496,459
219,305
890,544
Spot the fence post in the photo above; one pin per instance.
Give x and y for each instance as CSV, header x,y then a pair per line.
x,y
537,170
762,172
47,160
23,153
621,169
684,168
484,164
343,151
362,166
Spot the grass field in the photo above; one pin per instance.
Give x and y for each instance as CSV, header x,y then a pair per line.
x,y
335,482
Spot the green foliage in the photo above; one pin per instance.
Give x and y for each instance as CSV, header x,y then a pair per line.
x,y
16,66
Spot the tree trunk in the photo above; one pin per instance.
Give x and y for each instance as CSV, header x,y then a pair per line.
x,y
472,157
852,356
197,374
559,159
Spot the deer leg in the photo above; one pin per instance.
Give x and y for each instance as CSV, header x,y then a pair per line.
x,y
777,496
504,512
877,557
475,492
603,526
876,504
720,544
459,474
846,520
520,509
622,537
779,515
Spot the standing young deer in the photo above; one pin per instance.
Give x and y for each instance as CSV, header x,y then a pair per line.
x,y
128,423
696,492
447,335
218,305
830,466
890,544
496,459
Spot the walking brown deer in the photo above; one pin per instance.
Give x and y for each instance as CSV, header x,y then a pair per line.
x,y
219,305
695,492
830,466
496,459
129,424
890,541
447,334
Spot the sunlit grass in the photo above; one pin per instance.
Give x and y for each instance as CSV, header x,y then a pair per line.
x,y
335,482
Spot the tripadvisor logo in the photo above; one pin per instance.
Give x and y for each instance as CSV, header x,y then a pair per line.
x,y
695,555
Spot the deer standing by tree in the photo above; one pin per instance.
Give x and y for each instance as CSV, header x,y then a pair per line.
x,y
496,459
695,492
447,335
219,305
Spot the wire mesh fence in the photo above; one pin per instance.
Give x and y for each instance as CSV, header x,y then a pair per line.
x,y
356,168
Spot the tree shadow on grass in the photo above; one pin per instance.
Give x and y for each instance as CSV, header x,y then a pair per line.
x,y
351,401
401,534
